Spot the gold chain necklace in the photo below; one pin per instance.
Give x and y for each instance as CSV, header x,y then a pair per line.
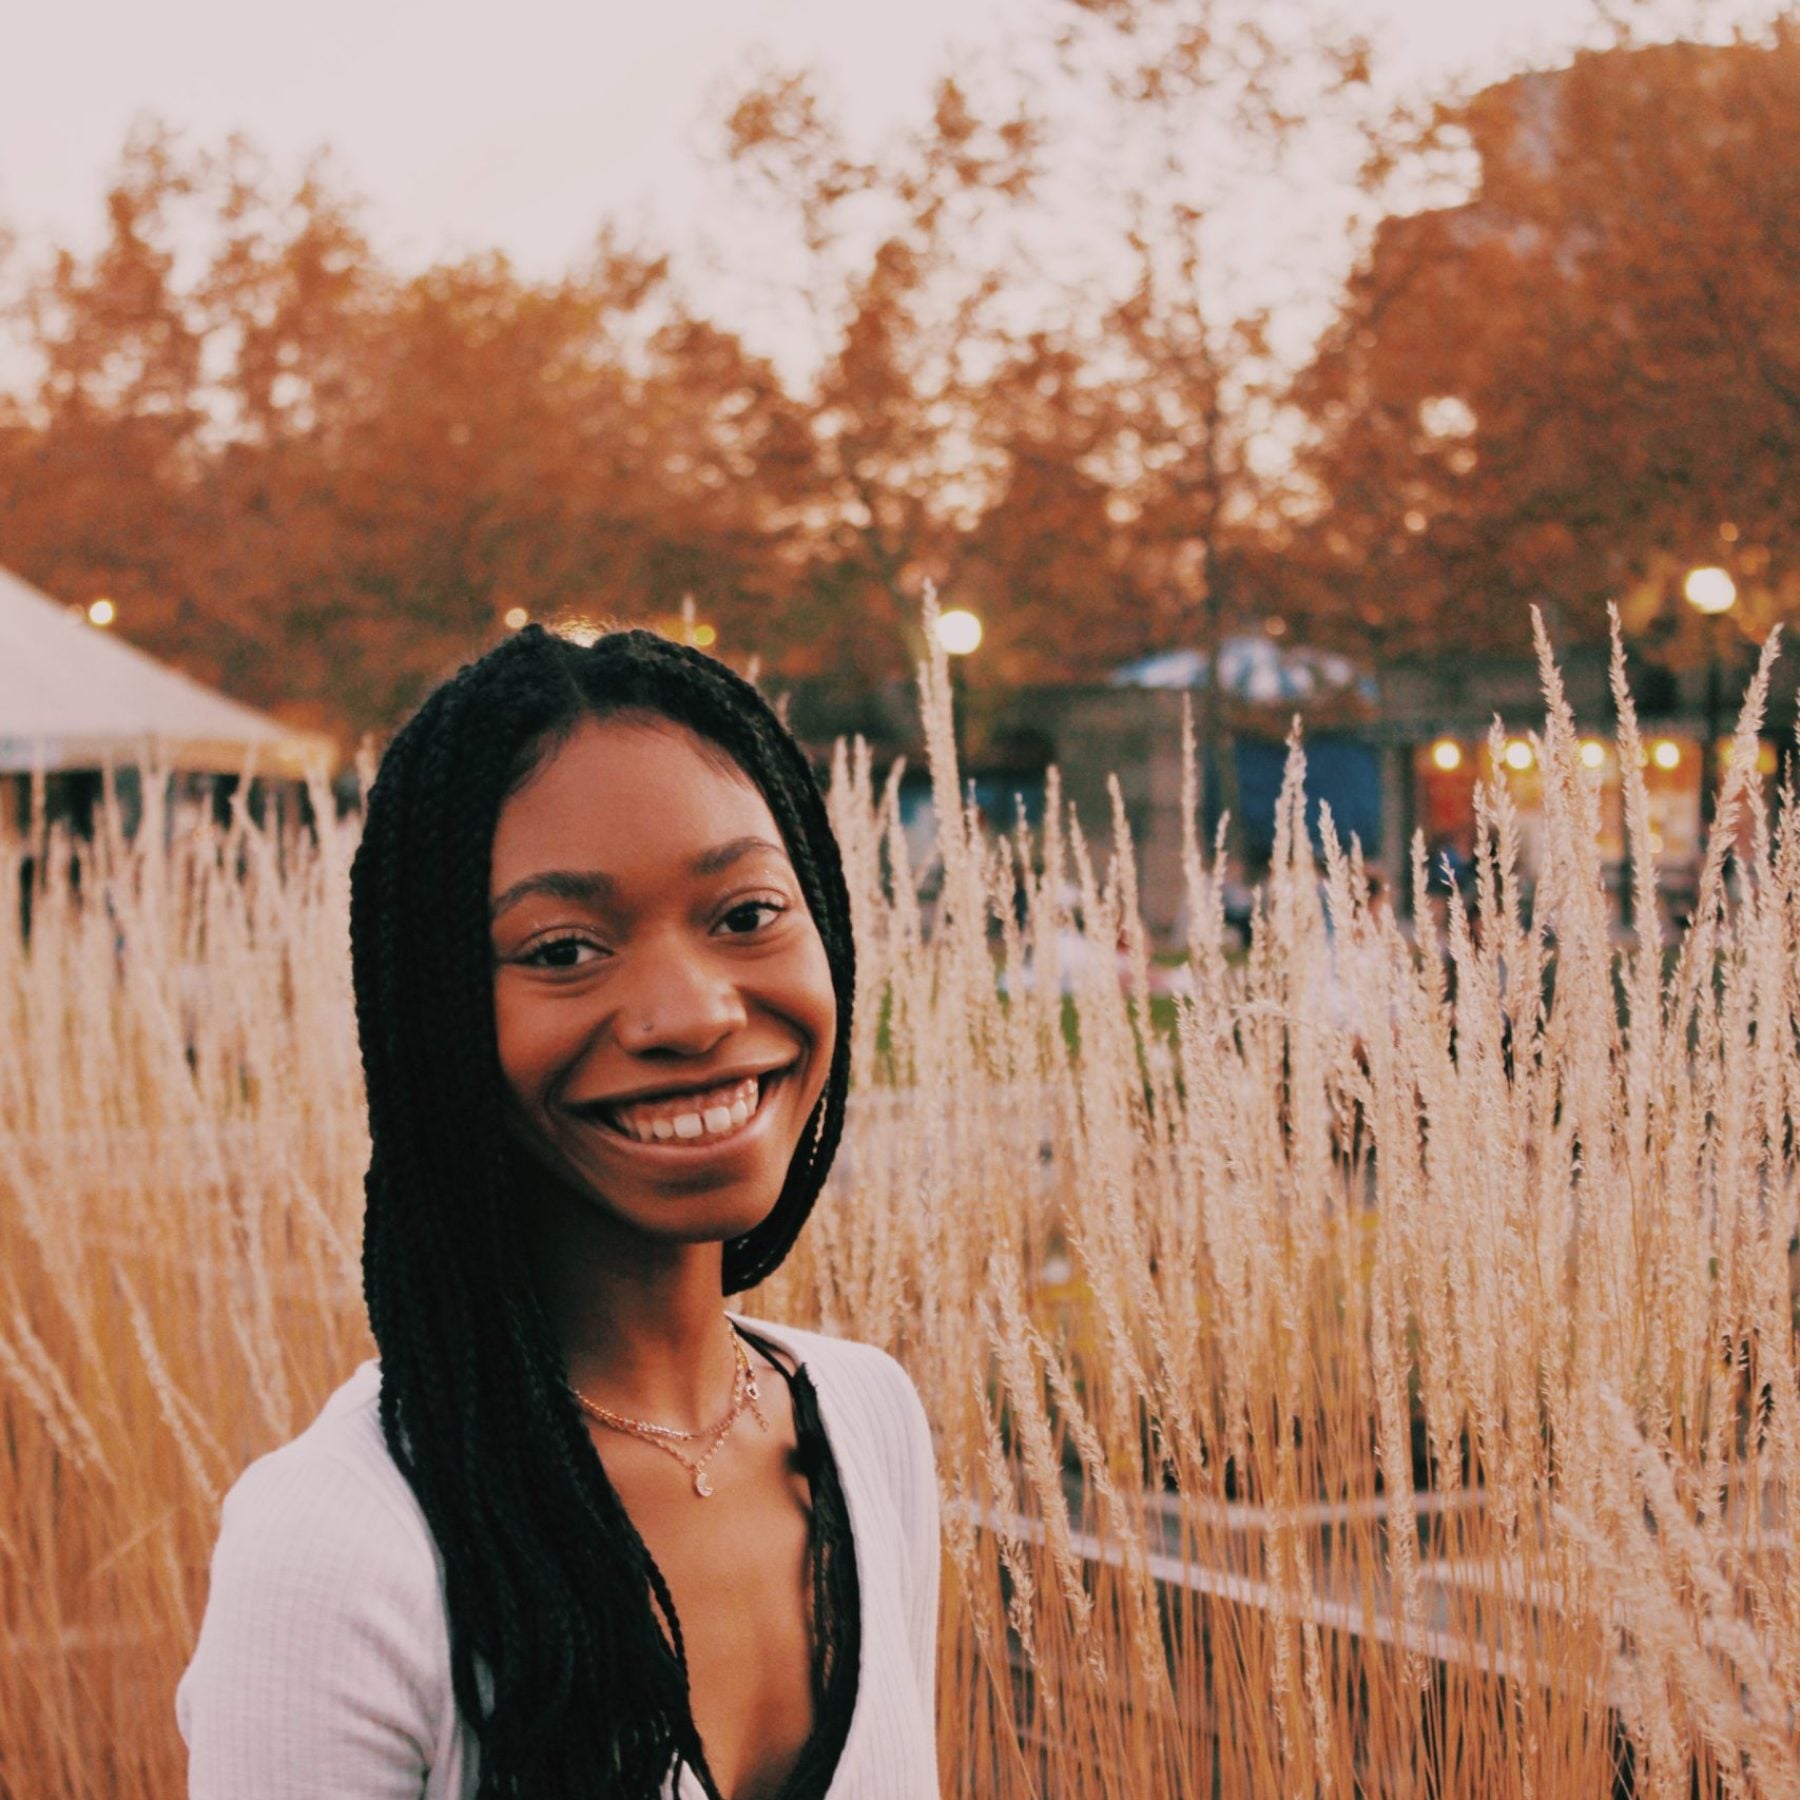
x,y
744,1393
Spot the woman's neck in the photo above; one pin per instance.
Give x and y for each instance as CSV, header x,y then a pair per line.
x,y
642,1324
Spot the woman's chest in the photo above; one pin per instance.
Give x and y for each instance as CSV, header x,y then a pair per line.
x,y
739,1568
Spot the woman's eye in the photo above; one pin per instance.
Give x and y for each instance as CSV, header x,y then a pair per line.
x,y
560,953
751,915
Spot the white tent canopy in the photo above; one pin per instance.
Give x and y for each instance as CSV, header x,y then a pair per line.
x,y
75,697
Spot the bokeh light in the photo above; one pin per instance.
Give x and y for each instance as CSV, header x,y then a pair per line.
x,y
959,632
102,613
1710,590
1446,754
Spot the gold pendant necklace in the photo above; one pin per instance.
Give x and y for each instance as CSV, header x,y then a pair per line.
x,y
744,1393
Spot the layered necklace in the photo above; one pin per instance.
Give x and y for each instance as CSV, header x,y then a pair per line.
x,y
745,1396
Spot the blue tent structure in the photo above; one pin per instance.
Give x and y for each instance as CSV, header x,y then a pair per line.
x,y
1343,772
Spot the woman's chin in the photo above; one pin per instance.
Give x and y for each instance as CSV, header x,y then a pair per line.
x,y
713,1216
702,1219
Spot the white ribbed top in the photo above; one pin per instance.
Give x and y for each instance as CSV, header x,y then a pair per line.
x,y
323,1666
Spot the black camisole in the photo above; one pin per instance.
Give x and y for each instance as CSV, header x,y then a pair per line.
x,y
836,1604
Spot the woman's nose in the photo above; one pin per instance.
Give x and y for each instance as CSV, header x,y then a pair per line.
x,y
677,1004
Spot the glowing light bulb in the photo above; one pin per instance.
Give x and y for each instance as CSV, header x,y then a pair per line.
x,y
1518,755
1666,753
1593,754
1446,754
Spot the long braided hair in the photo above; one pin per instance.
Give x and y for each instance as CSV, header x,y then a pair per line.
x,y
563,1668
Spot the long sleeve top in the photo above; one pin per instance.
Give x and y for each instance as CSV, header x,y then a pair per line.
x,y
323,1666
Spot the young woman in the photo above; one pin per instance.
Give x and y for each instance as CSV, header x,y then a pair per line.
x,y
581,1531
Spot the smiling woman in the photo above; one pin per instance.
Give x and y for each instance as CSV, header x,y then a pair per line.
x,y
581,1530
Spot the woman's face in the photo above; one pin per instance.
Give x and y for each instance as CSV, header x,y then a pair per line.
x,y
663,1002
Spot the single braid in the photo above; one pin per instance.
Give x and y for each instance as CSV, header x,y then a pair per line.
x,y
566,1652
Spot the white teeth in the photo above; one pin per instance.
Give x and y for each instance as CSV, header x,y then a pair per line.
x,y
721,1117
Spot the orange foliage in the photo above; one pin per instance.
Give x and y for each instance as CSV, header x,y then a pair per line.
x,y
1585,379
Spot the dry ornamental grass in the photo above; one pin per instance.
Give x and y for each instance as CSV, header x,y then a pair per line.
x,y
1384,1384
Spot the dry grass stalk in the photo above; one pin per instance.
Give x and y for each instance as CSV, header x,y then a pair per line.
x,y
1384,1381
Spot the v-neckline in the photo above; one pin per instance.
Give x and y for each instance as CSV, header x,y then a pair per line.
x,y
689,1784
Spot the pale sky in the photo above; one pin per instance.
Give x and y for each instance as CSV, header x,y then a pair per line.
x,y
520,126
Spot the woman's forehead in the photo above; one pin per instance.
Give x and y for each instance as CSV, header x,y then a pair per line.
x,y
618,793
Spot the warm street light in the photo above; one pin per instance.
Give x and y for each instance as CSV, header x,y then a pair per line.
x,y
515,618
102,613
1518,755
1666,753
958,636
1446,754
1593,754
958,632
1710,591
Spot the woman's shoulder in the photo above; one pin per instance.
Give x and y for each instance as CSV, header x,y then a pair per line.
x,y
333,1495
842,1362
871,1404
323,1656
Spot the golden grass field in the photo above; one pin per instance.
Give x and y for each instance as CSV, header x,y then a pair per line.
x,y
1351,1392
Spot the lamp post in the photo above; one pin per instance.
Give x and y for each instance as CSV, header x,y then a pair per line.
x,y
1712,593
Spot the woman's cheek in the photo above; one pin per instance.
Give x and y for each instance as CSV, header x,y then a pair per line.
x,y
523,1039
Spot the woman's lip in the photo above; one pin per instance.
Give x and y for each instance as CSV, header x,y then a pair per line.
x,y
686,1150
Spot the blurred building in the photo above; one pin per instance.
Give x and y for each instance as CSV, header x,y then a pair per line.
x,y
1392,755
1434,730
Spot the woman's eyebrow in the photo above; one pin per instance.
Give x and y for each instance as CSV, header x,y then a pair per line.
x,y
722,856
591,887
584,887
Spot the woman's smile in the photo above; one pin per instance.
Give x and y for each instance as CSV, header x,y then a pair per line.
x,y
688,1121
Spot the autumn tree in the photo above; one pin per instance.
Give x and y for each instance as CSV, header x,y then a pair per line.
x,y
323,484
1582,379
1045,384
904,312
95,460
